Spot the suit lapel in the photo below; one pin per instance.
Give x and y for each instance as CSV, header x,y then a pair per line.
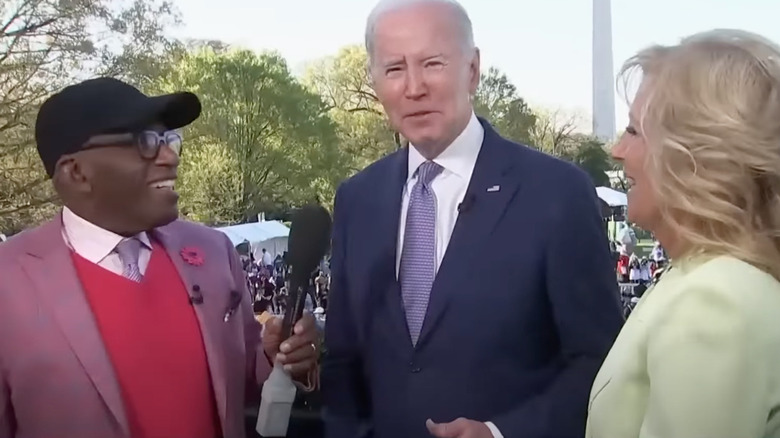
x,y
210,312
389,216
492,187
67,302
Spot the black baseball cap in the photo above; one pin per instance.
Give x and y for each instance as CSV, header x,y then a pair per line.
x,y
68,119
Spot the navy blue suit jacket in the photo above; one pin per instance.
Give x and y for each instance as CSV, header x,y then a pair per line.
x,y
522,313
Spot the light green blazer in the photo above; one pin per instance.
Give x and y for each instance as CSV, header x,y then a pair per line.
x,y
698,358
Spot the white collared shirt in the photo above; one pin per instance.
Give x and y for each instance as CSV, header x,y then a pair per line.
x,y
97,244
450,186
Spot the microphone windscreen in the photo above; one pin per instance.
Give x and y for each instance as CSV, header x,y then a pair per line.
x,y
309,238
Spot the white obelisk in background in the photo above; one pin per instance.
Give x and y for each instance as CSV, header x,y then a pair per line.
x,y
603,75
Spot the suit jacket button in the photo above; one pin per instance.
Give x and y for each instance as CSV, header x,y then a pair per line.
x,y
416,370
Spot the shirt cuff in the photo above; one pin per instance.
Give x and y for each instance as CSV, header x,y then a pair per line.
x,y
493,429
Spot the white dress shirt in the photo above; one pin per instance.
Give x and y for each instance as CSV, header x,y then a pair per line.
x,y
97,245
450,187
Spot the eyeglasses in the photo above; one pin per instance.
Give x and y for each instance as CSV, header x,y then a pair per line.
x,y
148,143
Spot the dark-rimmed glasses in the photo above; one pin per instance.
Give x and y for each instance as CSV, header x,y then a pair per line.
x,y
148,143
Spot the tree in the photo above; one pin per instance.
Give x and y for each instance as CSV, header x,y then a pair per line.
x,y
589,153
46,44
618,177
553,131
345,86
277,146
497,100
210,184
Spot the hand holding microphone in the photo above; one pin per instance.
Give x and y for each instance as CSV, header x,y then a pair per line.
x,y
298,353
290,342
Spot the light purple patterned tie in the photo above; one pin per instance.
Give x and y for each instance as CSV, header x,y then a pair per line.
x,y
129,250
418,257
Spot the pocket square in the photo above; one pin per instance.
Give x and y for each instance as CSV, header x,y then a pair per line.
x,y
494,188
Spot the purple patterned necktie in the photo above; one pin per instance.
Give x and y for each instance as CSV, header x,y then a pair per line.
x,y
129,250
418,257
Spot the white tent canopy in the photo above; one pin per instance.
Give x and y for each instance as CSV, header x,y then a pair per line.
x,y
612,197
271,235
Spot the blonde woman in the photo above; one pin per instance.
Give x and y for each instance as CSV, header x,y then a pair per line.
x,y
700,355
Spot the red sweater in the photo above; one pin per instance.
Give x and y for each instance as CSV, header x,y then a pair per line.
x,y
153,339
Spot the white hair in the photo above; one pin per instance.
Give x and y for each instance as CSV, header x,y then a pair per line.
x,y
384,6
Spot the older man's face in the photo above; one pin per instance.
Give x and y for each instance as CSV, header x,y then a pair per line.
x,y
422,76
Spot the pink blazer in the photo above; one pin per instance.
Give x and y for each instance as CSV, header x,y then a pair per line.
x,y
55,375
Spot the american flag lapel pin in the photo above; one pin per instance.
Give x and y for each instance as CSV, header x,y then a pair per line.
x,y
494,188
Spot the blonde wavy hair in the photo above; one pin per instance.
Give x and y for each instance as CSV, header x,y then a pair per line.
x,y
711,122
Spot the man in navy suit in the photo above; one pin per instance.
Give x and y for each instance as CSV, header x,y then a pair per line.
x,y
472,290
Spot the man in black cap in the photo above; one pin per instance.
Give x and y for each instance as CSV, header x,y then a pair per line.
x,y
117,319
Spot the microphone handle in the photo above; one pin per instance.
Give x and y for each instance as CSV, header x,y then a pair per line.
x,y
296,301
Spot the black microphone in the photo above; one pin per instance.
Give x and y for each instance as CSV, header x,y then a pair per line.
x,y
308,242
467,203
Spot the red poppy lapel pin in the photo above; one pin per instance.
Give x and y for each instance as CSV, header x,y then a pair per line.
x,y
192,255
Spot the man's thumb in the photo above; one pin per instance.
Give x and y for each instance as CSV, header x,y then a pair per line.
x,y
443,430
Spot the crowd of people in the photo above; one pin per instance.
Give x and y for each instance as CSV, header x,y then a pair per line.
x,y
268,284
635,272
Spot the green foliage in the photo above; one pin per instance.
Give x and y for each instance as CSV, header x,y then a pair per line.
x,y
272,137
209,184
265,142
590,154
46,45
25,195
344,84
497,101
555,134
